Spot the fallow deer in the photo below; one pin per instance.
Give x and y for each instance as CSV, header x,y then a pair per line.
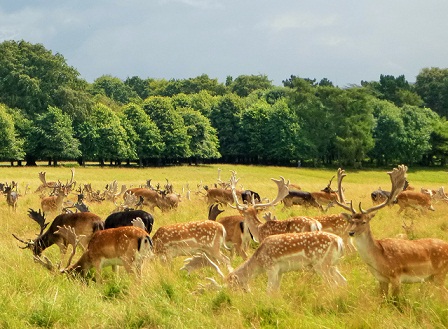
x,y
415,200
278,254
395,261
125,218
261,230
125,246
12,196
186,239
238,235
55,202
85,223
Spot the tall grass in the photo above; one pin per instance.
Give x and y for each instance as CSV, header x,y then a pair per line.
x,y
164,297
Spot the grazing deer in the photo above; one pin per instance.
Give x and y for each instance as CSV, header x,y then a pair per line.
x,y
11,196
261,230
278,254
186,239
238,235
125,246
395,261
85,223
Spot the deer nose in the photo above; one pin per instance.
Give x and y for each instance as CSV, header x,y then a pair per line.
x,y
351,233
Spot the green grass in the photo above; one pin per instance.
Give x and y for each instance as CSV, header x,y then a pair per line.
x,y
164,297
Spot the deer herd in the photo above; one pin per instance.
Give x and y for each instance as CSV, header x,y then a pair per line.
x,y
264,243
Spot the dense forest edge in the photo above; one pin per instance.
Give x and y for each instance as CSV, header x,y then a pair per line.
x,y
48,112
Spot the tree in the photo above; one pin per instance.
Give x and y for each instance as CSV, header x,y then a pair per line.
x,y
52,137
394,89
103,137
113,88
204,143
11,147
419,124
243,85
225,117
139,86
388,134
171,126
352,123
33,78
432,86
148,142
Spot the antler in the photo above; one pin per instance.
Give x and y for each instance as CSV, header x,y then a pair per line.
x,y
282,186
138,222
342,203
68,233
39,218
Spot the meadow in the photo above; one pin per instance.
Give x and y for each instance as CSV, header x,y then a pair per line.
x,y
164,297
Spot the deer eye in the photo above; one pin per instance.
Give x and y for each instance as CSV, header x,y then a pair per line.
x,y
363,222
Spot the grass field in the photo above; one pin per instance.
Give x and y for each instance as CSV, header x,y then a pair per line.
x,y
165,297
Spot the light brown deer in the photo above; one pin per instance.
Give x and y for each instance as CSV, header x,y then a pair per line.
x,y
315,251
186,239
395,261
238,235
125,246
261,230
415,200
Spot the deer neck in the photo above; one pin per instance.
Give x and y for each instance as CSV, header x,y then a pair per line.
x,y
367,246
253,223
250,268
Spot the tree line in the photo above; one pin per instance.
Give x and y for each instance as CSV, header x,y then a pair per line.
x,y
48,112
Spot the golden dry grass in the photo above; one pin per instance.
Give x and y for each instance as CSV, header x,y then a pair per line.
x,y
167,298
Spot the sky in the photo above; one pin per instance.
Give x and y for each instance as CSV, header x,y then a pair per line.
x,y
341,40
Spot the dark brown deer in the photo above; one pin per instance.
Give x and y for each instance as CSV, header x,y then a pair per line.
x,y
84,223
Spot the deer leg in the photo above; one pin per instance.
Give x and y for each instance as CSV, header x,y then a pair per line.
x,y
384,288
274,278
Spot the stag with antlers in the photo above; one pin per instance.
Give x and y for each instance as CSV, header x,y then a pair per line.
x,y
394,261
125,246
261,230
85,223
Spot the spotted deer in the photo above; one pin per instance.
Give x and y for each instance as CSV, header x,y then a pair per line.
x,y
261,230
394,261
186,239
125,246
278,254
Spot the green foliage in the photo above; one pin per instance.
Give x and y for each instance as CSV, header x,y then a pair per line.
x,y
52,137
113,88
432,86
204,143
32,79
171,125
142,133
243,85
11,147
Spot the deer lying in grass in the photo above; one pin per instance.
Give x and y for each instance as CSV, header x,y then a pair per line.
x,y
85,224
186,239
126,246
395,261
278,254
